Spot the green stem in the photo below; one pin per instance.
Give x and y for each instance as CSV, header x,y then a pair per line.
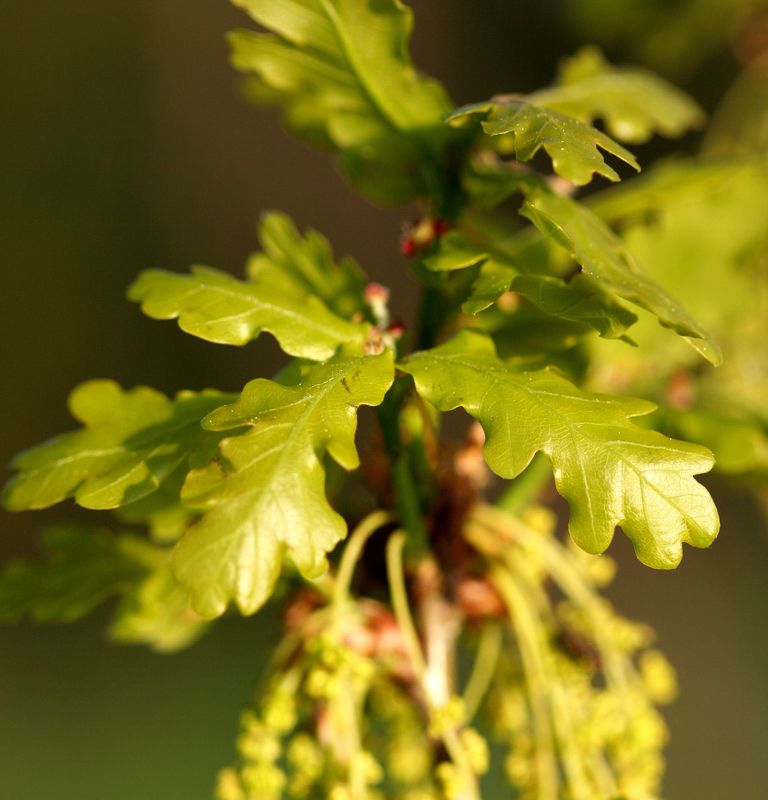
x,y
352,553
431,317
484,668
401,607
407,501
560,702
566,573
527,634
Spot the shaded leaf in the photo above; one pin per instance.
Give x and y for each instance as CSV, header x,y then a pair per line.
x,y
219,308
574,147
340,69
490,182
157,613
634,102
265,495
611,471
580,300
84,568
455,251
493,279
306,261
162,512
528,339
604,258
131,441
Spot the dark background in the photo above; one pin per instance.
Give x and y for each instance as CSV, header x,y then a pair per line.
x,y
124,145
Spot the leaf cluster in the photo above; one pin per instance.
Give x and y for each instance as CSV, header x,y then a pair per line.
x,y
240,481
576,329
522,312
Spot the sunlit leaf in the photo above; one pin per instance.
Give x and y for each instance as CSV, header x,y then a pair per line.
x,y
611,471
131,441
265,494
306,261
219,308
341,71
574,147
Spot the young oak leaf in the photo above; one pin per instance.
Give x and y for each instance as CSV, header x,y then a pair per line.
x,y
157,611
265,494
574,147
219,308
611,471
580,300
605,258
341,71
130,443
84,568
306,261
634,102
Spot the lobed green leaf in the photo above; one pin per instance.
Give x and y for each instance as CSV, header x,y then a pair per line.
x,y
580,300
219,308
340,69
130,443
634,102
611,471
574,147
157,612
86,567
604,258
264,495
307,264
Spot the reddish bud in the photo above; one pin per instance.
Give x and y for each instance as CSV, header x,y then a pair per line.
x,y
439,227
408,248
396,330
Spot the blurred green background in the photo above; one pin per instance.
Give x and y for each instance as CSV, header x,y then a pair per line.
x,y
125,146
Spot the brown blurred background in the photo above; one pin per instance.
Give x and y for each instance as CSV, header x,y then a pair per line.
x,y
125,146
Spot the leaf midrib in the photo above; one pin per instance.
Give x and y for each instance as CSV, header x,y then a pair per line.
x,y
378,101
247,294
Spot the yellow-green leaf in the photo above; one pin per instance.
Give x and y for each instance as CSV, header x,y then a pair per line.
x,y
611,471
574,147
605,258
341,71
130,443
219,308
264,496
634,102
306,262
